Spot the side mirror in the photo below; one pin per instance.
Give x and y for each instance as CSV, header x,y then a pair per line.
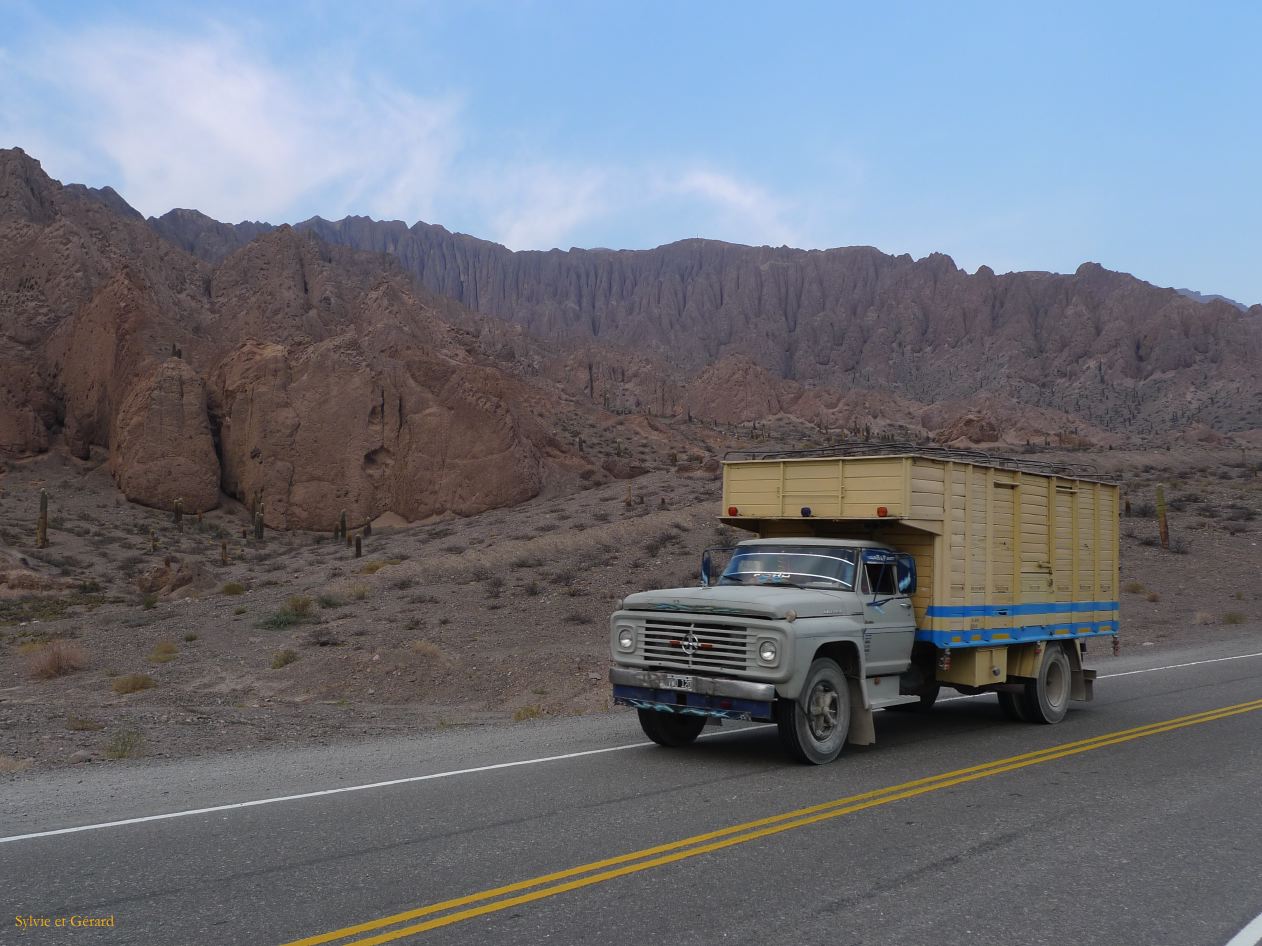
x,y
705,568
906,574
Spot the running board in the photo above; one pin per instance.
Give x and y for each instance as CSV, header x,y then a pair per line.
x,y
895,701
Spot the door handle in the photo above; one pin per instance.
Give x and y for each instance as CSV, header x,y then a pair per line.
x,y
905,604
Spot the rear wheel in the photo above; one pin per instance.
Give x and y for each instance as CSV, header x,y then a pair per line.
x,y
813,727
670,729
1046,697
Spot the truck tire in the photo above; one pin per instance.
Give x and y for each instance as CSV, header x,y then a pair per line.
x,y
1046,697
1012,706
813,727
670,729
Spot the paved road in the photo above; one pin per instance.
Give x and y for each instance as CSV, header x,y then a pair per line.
x,y
1134,822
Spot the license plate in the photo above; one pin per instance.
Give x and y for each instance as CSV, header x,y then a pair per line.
x,y
677,682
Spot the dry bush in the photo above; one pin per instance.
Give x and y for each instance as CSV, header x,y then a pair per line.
x,y
283,658
359,592
83,724
163,652
1203,617
1153,596
299,605
124,745
1133,588
54,659
132,683
328,601
427,650
9,764
233,588
322,637
527,712
1233,617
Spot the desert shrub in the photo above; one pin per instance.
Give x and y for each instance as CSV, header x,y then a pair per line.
x,y
233,588
1133,588
527,712
54,659
371,568
83,724
530,589
1203,617
283,658
1153,596
494,586
299,605
132,683
526,561
322,637
1180,546
190,637
149,602
328,601
575,618
279,620
427,650
1144,510
403,584
359,592
163,652
1233,617
124,745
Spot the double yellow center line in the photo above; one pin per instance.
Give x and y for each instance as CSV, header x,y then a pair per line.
x,y
474,905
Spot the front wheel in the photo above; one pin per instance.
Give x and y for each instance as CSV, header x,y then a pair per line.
x,y
813,727
670,729
1046,697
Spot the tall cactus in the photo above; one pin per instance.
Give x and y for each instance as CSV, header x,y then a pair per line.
x,y
179,515
359,547
258,523
341,526
41,524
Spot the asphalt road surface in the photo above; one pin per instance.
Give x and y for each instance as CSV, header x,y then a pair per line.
x,y
1136,821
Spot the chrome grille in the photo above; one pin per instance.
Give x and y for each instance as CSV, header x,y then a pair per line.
x,y
713,646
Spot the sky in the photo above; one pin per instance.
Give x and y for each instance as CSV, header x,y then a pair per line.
x,y
1015,135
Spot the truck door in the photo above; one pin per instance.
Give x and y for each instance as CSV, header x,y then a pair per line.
x,y
889,623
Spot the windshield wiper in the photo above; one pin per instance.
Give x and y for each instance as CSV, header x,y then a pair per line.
x,y
783,582
734,579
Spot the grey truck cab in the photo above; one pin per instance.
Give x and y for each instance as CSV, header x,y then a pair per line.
x,y
811,633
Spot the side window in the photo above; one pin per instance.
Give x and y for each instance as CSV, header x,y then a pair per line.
x,y
880,577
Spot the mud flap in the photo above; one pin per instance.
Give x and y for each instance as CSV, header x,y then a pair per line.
x,y
862,731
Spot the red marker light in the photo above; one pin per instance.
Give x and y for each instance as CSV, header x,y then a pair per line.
x,y
732,511
882,512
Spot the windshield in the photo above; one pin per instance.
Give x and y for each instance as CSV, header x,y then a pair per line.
x,y
803,566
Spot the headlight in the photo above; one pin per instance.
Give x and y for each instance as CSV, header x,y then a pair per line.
x,y
626,639
768,652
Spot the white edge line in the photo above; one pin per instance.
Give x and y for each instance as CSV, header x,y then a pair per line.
x,y
508,765
347,788
1251,935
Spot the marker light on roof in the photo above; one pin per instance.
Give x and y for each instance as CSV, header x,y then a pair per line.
x,y
733,511
882,512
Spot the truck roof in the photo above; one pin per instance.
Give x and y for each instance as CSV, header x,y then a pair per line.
x,y
795,540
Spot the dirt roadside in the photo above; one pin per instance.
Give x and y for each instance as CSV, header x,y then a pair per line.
x,y
492,618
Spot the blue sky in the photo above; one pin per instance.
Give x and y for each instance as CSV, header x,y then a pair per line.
x,y
1016,135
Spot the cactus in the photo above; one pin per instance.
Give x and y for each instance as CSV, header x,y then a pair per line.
x,y
1162,526
341,526
223,552
367,529
41,524
179,515
258,523
359,547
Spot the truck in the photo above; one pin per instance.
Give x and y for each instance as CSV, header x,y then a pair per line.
x,y
876,575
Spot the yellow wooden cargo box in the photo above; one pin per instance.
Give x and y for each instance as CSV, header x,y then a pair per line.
x,y
1007,551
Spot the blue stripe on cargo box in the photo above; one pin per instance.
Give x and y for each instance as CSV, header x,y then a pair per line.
x,y
1013,610
1024,634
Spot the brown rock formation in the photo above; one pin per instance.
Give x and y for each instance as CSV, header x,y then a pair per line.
x,y
161,449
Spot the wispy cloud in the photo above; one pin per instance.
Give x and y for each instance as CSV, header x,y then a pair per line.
x,y
208,121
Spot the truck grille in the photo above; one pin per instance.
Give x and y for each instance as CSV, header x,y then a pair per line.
x,y
714,646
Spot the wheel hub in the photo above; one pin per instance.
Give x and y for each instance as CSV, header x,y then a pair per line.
x,y
822,711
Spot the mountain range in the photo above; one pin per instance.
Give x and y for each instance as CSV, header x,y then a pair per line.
x,y
382,368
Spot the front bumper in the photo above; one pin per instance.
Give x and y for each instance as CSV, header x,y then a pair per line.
x,y
707,696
